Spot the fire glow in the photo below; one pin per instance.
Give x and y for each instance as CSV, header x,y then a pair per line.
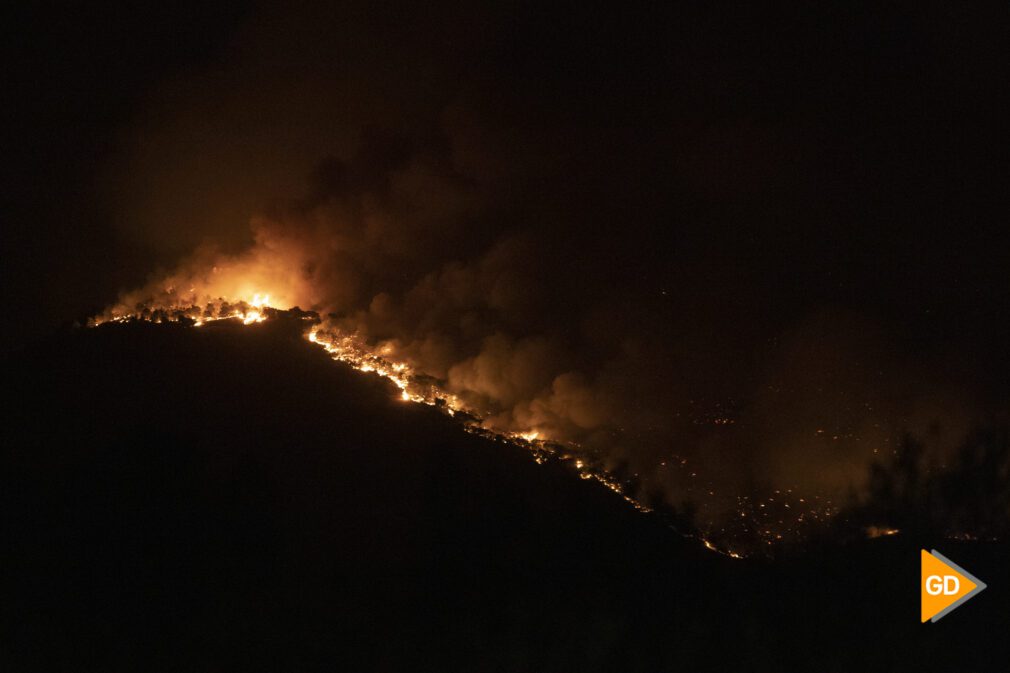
x,y
765,522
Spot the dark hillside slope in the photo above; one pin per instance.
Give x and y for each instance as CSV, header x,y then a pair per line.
x,y
229,499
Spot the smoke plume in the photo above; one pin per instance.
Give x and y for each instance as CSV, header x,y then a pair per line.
x,y
593,250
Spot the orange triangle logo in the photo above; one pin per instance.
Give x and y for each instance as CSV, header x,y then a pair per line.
x,y
944,585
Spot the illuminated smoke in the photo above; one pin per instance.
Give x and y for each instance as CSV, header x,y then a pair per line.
x,y
586,377
512,254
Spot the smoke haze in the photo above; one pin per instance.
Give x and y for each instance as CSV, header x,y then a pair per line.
x,y
711,293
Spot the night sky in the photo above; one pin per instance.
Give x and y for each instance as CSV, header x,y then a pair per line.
x,y
718,252
839,155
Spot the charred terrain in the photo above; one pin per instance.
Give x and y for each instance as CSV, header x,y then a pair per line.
x,y
229,499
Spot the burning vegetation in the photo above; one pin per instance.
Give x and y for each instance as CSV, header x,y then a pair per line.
x,y
756,524
414,386
674,385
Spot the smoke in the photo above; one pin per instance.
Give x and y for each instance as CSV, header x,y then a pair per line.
x,y
589,255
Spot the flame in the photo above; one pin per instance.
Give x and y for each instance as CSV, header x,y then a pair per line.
x,y
256,307
880,531
251,317
762,521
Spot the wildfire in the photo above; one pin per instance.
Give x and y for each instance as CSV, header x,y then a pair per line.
x,y
255,314
759,522
413,386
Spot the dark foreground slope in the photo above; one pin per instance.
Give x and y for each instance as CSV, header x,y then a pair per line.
x,y
228,499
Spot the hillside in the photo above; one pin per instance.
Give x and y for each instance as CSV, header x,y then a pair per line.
x,y
231,499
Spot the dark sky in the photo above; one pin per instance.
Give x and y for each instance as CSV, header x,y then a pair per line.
x,y
74,75
853,148
626,220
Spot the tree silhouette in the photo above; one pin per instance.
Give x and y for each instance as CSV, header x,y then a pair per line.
x,y
969,497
